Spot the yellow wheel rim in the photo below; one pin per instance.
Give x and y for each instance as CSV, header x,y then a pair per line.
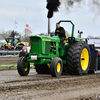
x,y
58,67
48,65
84,59
25,69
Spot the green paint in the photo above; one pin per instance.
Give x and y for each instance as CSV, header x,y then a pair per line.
x,y
46,48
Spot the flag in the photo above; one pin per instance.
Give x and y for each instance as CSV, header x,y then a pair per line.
x,y
29,28
16,26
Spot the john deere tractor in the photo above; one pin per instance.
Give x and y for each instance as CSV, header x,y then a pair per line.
x,y
49,57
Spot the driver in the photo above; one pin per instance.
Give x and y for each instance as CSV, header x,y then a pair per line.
x,y
60,32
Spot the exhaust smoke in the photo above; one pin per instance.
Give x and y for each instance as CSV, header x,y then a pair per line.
x,y
52,6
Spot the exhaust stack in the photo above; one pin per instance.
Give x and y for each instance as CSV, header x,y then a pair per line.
x,y
48,26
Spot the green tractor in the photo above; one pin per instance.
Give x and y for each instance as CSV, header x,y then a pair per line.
x,y
51,58
14,42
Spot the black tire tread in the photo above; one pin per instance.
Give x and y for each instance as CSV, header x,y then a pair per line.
x,y
73,58
42,69
53,65
20,67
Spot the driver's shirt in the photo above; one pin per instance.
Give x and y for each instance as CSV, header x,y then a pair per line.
x,y
61,32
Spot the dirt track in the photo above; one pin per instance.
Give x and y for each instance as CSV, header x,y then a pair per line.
x,y
7,60
44,87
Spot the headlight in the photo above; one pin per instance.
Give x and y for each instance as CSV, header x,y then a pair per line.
x,y
25,50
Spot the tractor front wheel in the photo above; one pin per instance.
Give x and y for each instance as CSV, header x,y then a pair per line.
x,y
56,67
23,66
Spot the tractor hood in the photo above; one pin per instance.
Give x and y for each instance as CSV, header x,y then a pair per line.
x,y
46,38
42,44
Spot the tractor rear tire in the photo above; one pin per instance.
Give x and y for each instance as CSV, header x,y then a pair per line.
x,y
56,67
21,66
42,68
78,59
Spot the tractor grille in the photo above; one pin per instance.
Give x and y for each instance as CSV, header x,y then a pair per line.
x,y
36,45
47,47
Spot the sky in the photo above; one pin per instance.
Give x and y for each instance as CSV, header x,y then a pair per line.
x,y
34,12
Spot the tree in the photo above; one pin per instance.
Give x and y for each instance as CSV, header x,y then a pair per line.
x,y
92,37
12,34
89,36
25,36
5,34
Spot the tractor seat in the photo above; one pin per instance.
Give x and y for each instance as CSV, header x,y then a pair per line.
x,y
65,39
